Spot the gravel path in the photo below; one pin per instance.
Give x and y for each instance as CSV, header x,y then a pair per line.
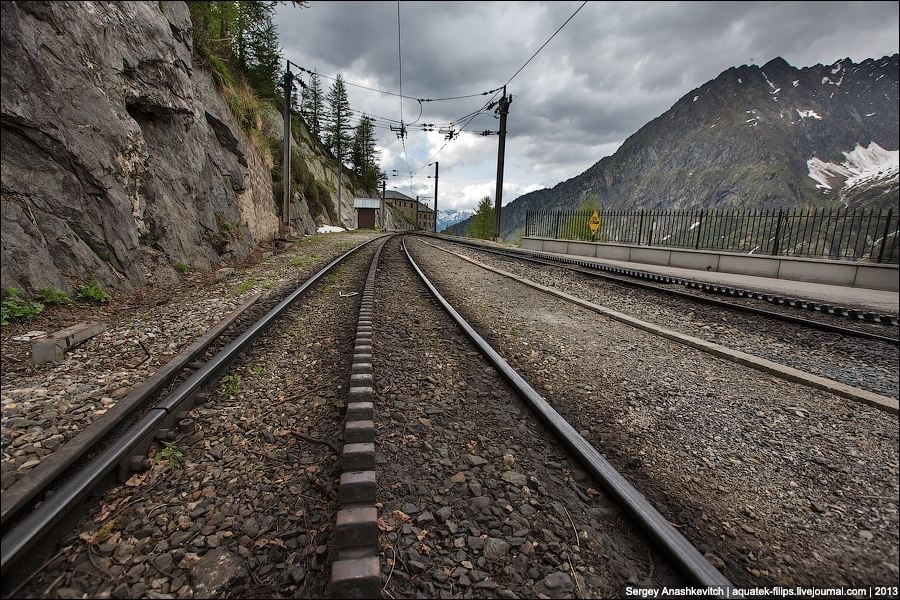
x,y
779,484
787,484
869,365
45,405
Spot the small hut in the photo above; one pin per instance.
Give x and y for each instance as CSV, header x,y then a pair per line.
x,y
367,211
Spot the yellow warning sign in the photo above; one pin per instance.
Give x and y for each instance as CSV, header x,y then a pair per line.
x,y
594,222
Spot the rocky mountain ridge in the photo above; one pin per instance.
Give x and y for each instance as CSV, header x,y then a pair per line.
x,y
448,218
752,138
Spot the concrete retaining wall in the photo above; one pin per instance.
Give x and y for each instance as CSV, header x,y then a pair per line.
x,y
831,272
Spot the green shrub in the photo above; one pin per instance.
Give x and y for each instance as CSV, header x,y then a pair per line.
x,y
243,287
91,292
18,309
169,454
52,295
180,267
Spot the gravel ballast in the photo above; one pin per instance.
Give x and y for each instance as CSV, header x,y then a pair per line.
x,y
777,483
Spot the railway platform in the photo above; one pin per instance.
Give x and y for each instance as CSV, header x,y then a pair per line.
x,y
876,301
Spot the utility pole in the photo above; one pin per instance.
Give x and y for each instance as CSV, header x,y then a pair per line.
x,y
383,192
498,194
286,205
340,172
435,196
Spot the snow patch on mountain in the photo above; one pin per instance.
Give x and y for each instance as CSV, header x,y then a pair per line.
x,y
446,218
863,166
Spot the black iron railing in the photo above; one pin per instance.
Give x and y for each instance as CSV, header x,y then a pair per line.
x,y
862,235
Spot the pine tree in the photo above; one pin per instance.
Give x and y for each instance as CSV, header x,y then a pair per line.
x,y
264,56
249,20
482,224
239,37
337,129
364,154
311,105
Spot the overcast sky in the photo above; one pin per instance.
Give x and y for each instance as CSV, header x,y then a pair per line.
x,y
578,92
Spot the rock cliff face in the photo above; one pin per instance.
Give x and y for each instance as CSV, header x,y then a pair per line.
x,y
120,158
753,138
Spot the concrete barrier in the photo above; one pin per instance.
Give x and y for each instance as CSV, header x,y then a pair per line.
x,y
831,272
53,347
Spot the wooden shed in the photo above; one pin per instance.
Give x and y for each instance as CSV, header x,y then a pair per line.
x,y
367,212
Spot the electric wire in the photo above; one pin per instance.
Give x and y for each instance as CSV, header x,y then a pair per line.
x,y
545,43
466,119
399,61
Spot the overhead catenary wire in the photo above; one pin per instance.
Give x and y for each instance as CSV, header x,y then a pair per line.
x,y
545,43
454,125
399,62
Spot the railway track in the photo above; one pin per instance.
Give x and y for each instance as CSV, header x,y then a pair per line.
x,y
858,354
826,317
466,500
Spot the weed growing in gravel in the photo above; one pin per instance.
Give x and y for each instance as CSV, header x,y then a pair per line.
x,y
18,309
91,292
232,385
243,287
299,323
258,369
330,281
169,454
305,261
180,267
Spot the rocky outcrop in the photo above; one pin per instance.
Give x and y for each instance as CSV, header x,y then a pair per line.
x,y
120,156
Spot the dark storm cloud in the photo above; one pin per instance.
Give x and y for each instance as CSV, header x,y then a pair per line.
x,y
612,69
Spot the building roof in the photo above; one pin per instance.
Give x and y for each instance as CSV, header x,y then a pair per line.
x,y
392,195
366,203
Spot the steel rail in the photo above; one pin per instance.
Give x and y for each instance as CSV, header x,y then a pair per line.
x,y
693,564
41,478
590,268
53,510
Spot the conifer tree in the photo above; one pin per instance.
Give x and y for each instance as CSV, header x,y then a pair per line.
x,y
482,224
364,154
242,36
311,105
337,128
264,57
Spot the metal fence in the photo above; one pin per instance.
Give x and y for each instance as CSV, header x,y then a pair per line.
x,y
861,235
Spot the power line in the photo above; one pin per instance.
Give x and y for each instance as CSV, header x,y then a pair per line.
x,y
451,133
547,42
400,62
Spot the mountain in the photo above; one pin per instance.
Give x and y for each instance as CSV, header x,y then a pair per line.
x,y
752,138
446,218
